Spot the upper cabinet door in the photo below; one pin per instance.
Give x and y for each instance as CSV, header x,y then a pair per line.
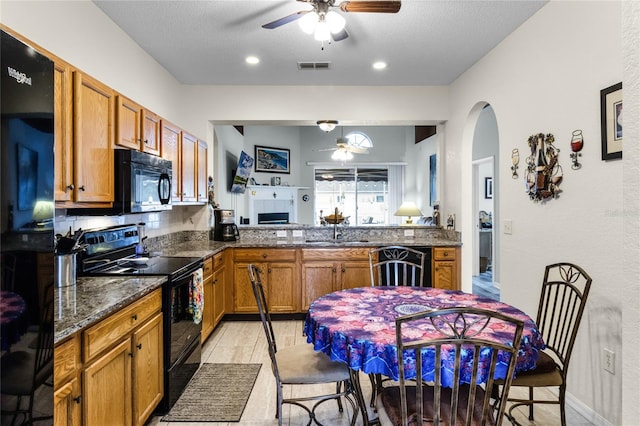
x,y
203,193
94,110
171,139
150,132
128,123
189,167
63,130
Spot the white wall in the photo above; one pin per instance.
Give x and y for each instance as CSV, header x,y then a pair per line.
x,y
544,78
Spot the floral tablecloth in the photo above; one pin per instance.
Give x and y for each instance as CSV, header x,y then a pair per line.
x,y
357,326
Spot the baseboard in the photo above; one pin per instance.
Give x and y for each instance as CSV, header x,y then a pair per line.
x,y
585,411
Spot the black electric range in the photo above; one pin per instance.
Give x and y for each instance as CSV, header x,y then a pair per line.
x,y
112,251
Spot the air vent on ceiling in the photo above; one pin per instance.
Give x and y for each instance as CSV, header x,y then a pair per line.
x,y
314,65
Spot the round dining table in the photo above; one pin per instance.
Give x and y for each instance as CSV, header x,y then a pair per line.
x,y
357,326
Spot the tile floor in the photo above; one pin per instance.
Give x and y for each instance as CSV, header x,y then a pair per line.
x,y
244,342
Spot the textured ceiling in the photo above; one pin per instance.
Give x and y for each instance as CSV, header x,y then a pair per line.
x,y
427,43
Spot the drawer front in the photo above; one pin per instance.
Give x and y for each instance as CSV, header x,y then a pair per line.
x,y
121,323
444,253
208,267
264,255
218,261
338,254
66,360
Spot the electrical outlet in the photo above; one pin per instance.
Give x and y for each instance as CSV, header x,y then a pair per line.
x,y
508,227
609,360
297,233
408,233
281,234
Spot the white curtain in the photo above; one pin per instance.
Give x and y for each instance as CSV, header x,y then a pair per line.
x,y
396,192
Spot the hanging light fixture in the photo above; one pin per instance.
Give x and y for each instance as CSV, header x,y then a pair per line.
x,y
341,154
322,23
327,125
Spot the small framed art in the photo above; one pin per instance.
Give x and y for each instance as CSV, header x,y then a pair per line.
x,y
272,160
611,121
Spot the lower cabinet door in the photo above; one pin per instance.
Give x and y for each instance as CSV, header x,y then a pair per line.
x,y
148,377
107,387
66,404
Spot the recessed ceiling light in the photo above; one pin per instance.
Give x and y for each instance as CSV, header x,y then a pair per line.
x,y
380,65
252,60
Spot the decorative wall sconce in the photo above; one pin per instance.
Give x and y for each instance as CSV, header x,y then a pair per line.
x,y
576,146
544,174
515,160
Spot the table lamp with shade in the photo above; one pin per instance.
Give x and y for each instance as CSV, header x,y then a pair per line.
x,y
43,214
408,208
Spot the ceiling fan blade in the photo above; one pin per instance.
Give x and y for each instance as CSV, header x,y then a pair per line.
x,y
339,36
371,6
357,150
289,18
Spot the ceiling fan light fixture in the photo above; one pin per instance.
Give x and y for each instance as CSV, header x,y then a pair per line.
x,y
308,22
327,125
341,155
322,31
335,21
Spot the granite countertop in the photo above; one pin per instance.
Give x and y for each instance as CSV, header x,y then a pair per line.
x,y
93,298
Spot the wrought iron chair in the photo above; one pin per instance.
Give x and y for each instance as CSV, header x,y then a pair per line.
x,y
394,266
460,389
565,289
300,365
23,372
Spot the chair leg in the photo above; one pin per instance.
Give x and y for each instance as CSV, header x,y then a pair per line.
x,y
374,390
561,395
531,405
338,385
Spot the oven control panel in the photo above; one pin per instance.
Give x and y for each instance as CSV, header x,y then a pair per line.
x,y
109,239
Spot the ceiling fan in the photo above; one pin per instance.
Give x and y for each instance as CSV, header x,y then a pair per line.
x,y
344,150
325,23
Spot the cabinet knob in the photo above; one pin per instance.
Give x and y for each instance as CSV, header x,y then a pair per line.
x,y
344,270
146,141
135,317
264,255
139,346
70,187
334,270
77,399
446,253
81,188
269,270
130,354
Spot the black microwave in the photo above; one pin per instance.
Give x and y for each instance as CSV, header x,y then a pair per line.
x,y
142,182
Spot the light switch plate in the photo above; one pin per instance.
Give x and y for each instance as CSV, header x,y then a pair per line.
x,y
508,227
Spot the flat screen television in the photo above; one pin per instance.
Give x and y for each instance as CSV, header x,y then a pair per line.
x,y
242,173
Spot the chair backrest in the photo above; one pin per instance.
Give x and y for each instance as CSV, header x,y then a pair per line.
x,y
265,317
396,266
7,279
565,289
464,351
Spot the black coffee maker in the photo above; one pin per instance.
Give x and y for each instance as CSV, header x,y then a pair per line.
x,y
225,228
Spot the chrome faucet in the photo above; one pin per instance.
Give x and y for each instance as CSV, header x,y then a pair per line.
x,y
335,225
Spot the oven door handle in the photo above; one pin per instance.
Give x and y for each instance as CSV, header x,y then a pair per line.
x,y
177,280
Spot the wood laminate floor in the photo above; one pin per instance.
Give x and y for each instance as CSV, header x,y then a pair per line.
x,y
244,342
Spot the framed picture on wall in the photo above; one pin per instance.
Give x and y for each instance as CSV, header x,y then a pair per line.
x,y
611,121
272,160
488,187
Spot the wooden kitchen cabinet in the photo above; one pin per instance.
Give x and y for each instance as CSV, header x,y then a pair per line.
x,y
219,287
63,130
207,311
279,277
123,364
188,167
446,268
93,140
170,145
327,270
201,173
66,383
136,127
